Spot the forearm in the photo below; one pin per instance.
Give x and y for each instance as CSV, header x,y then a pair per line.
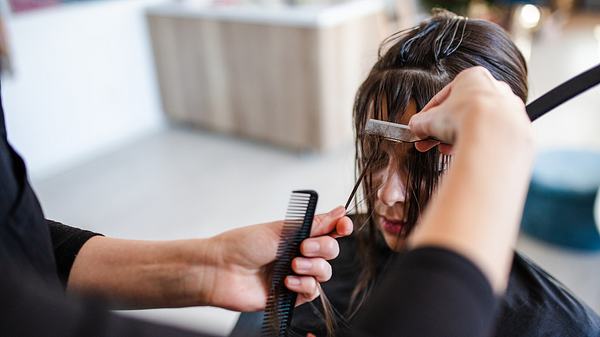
x,y
32,308
229,270
479,204
144,274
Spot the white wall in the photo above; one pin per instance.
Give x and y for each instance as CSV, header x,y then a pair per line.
x,y
84,82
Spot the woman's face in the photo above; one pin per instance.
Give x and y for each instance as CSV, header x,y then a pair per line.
x,y
390,179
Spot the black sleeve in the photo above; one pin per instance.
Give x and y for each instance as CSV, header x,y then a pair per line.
x,y
429,292
31,309
66,242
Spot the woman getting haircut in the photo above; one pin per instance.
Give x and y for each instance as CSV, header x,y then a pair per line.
x,y
413,65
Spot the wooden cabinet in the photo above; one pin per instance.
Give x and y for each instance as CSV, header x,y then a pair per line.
x,y
285,75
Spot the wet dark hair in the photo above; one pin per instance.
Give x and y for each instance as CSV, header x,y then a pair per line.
x,y
413,65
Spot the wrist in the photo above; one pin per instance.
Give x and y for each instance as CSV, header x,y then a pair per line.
x,y
201,261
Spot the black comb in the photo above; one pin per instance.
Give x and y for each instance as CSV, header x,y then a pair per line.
x,y
296,227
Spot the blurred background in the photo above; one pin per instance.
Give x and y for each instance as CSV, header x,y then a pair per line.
x,y
157,119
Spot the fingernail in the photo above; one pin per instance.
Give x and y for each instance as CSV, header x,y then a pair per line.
x,y
303,264
338,211
311,247
293,281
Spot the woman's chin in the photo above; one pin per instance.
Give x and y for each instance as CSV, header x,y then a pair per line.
x,y
393,241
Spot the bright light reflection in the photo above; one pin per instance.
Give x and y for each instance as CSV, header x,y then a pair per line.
x,y
529,16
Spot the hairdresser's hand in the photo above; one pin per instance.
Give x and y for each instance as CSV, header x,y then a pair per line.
x,y
477,208
238,278
473,101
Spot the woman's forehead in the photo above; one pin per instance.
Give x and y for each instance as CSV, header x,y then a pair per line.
x,y
411,110
401,117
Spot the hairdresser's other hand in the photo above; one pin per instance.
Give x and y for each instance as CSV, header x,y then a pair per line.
x,y
238,278
472,97
477,208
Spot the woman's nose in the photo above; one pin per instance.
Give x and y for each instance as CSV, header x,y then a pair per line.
x,y
393,189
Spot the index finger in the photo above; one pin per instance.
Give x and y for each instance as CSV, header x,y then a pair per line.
x,y
438,98
326,224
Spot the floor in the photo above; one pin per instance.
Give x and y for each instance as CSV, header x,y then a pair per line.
x,y
182,183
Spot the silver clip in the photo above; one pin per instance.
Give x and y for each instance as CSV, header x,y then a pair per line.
x,y
391,131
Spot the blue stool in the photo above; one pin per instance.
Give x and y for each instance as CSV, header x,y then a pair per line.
x,y
249,324
560,202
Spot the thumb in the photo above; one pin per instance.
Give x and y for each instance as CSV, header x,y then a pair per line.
x,y
420,123
433,123
324,224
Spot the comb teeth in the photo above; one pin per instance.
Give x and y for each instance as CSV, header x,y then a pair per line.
x,y
296,228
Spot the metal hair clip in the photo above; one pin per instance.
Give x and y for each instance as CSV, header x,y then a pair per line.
x,y
391,131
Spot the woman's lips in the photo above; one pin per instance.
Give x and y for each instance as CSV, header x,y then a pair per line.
x,y
393,227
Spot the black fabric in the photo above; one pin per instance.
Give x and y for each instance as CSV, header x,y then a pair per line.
x,y
450,297
535,303
24,235
66,241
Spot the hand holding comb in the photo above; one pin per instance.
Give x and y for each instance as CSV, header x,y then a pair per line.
x,y
296,228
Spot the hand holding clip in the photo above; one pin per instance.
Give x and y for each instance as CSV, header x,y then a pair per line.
x,y
472,98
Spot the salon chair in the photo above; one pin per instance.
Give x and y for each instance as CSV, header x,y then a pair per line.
x,y
248,325
561,199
